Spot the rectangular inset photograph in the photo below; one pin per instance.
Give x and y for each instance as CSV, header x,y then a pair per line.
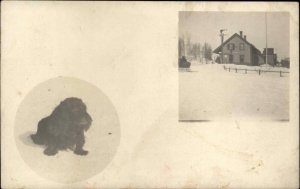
x,y
233,66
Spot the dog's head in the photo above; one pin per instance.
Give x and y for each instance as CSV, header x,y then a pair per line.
x,y
75,111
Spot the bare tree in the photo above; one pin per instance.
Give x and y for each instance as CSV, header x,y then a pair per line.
x,y
207,52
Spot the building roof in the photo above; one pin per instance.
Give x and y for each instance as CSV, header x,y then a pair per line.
x,y
218,49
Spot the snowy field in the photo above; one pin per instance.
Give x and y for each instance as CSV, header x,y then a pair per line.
x,y
208,92
264,68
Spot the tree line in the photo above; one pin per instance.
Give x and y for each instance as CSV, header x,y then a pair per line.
x,y
194,51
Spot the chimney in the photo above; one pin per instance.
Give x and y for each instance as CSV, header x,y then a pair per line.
x,y
241,33
245,37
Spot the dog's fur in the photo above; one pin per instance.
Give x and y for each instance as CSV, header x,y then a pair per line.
x,y
64,128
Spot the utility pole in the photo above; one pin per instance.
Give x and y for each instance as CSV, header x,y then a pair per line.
x,y
266,19
222,40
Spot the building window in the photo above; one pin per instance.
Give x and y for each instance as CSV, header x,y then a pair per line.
x,y
242,46
230,46
242,58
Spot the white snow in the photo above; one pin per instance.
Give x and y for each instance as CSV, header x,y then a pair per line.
x,y
208,92
264,67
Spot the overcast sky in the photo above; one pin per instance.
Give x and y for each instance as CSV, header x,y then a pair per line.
x,y
205,27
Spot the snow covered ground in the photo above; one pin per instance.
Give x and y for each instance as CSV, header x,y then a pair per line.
x,y
208,92
264,67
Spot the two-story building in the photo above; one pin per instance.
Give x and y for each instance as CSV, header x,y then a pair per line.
x,y
237,50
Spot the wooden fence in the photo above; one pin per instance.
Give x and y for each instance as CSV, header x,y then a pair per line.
x,y
259,71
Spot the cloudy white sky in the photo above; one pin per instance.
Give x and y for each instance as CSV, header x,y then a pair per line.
x,y
205,27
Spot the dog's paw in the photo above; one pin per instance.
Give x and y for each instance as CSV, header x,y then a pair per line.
x,y
81,152
50,152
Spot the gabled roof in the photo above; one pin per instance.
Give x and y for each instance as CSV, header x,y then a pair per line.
x,y
218,49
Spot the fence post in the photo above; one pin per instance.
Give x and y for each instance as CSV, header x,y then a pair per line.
x,y
235,70
280,74
258,72
245,71
229,69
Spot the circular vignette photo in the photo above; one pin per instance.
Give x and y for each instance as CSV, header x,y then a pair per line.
x,y
67,130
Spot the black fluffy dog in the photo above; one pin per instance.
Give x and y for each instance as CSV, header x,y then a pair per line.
x,y
64,128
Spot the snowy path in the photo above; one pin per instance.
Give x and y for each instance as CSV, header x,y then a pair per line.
x,y
211,93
